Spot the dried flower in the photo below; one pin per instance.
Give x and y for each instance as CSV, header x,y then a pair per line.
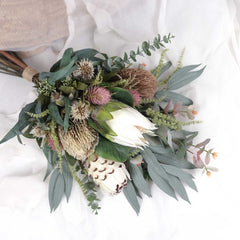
x,y
98,95
51,144
109,175
84,70
143,81
80,139
38,131
215,155
80,110
136,96
208,173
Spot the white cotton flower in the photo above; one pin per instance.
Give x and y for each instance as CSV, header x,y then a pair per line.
x,y
130,125
110,176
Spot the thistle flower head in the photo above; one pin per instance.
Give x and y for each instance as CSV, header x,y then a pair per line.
x,y
80,139
80,110
109,175
84,70
38,131
98,95
136,96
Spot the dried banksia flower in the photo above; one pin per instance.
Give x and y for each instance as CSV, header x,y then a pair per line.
x,y
142,80
80,110
84,70
38,131
98,95
80,139
108,175
136,96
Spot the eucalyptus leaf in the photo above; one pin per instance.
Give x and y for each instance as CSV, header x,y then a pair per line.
x,y
68,179
48,172
23,121
183,77
54,112
175,97
111,150
71,160
67,55
131,196
138,179
56,189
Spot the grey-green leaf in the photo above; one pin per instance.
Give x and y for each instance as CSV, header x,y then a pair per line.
x,y
56,189
138,179
67,113
23,121
176,97
68,179
183,77
131,196
66,57
178,187
54,112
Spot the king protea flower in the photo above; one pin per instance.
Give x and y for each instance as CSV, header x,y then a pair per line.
x,y
110,176
129,126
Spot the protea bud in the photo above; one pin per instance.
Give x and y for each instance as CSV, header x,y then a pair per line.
x,y
80,139
110,176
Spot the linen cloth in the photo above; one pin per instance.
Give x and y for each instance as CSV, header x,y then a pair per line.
x,y
209,30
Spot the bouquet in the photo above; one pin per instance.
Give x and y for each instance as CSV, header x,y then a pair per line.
x,y
108,123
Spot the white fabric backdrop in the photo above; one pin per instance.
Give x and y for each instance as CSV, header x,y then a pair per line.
x,y
210,32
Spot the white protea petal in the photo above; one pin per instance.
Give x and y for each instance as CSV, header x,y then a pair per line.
x,y
109,175
130,125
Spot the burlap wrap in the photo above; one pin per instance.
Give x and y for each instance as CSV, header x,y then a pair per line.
x,y
31,23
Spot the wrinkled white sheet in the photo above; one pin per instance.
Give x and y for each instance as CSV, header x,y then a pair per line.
x,y
209,30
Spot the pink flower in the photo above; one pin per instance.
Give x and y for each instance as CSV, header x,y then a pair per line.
x,y
51,144
136,96
98,95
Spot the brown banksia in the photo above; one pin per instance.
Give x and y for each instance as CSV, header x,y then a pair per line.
x,y
142,80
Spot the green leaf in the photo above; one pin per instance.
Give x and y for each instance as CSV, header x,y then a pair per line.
x,y
62,73
67,113
68,179
122,95
165,68
138,179
82,86
67,89
184,176
175,97
145,47
131,196
183,77
71,160
102,115
23,121
157,173
112,106
111,150
56,189
133,55
67,55
87,53
102,128
178,187
54,112
49,170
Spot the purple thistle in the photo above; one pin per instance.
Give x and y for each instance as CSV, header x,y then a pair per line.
x,y
136,96
98,95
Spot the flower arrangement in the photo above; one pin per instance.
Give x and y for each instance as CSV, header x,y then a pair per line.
x,y
108,124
